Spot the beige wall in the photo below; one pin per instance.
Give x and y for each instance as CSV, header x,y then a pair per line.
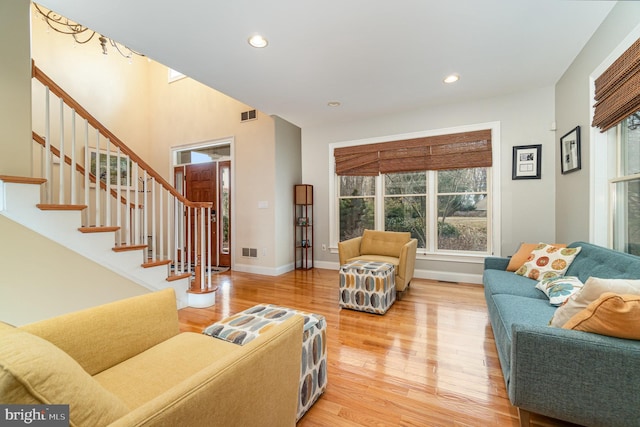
x,y
42,279
573,108
135,100
528,206
15,86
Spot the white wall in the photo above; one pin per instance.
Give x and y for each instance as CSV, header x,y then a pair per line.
x,y
42,279
528,206
573,108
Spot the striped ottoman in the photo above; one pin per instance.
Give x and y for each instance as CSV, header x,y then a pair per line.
x,y
367,286
247,325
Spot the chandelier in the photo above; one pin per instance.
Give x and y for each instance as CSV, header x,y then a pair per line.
x,y
81,34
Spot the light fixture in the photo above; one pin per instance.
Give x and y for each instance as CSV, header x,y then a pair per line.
x,y
333,103
80,33
258,41
452,78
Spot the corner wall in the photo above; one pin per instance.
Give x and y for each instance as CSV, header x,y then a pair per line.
x,y
15,87
573,108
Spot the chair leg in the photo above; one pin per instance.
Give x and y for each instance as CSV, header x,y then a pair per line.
x,y
524,417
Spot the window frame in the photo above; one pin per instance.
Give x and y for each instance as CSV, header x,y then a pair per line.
x,y
493,191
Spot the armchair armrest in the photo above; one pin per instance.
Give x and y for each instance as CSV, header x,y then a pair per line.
x,y
349,249
103,336
254,386
407,263
576,376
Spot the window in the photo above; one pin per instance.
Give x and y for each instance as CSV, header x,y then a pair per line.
x,y
448,210
625,187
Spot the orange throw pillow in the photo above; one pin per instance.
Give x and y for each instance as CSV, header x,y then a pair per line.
x,y
522,255
612,314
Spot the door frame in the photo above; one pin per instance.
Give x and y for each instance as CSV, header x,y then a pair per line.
x,y
173,150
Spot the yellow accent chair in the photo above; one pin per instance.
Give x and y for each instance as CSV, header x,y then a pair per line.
x,y
397,248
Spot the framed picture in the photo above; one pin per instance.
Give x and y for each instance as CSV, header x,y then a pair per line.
x,y
527,161
125,167
570,151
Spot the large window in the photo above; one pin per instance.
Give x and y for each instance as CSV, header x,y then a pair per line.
x,y
444,210
625,187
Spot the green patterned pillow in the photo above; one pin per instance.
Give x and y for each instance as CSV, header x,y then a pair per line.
x,y
548,261
559,289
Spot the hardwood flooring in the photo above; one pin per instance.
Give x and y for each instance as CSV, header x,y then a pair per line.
x,y
430,360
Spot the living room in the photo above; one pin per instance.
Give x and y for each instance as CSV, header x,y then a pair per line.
x,y
557,207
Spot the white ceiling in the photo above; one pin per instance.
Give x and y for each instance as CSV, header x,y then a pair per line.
x,y
375,57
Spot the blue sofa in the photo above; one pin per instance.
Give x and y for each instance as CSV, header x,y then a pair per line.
x,y
575,376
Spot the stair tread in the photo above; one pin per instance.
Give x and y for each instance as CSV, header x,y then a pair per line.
x,y
98,229
196,290
22,179
123,248
156,263
54,207
174,277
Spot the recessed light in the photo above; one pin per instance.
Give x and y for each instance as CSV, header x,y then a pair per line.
x,y
258,41
333,104
452,78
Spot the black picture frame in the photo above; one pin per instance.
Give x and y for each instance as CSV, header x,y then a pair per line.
x,y
570,157
527,162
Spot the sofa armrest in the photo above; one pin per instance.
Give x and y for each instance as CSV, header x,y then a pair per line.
x,y
580,377
349,249
495,263
255,386
103,336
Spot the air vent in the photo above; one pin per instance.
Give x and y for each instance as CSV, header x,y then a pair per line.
x,y
245,116
250,252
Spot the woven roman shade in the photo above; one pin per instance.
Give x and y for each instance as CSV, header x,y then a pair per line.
x,y
618,90
452,151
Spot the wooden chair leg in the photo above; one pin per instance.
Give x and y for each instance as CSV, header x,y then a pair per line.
x,y
524,417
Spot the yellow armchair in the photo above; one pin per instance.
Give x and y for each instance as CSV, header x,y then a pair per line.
x,y
397,248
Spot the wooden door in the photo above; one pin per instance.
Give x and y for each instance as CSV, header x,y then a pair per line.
x,y
201,185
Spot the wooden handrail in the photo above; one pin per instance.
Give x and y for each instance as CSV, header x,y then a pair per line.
x,y
38,74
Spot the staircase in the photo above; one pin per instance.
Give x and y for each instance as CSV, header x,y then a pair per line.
x,y
130,219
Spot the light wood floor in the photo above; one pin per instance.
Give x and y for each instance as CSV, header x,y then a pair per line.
x,y
429,361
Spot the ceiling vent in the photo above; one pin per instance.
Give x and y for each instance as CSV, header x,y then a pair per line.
x,y
245,116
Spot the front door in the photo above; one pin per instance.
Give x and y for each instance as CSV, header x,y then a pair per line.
x,y
200,186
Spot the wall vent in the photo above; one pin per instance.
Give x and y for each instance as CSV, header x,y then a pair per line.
x,y
245,116
250,252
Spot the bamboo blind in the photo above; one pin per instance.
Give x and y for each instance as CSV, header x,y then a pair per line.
x,y
452,151
618,90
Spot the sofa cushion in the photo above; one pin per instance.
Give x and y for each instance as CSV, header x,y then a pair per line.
x,y
377,258
559,289
612,315
522,254
591,291
505,282
547,261
386,243
597,261
34,371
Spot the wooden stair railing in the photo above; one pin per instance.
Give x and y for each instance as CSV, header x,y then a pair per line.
x,y
141,222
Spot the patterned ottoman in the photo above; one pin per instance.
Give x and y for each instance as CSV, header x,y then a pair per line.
x,y
367,286
247,325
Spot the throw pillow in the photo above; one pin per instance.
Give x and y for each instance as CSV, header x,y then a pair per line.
x,y
612,315
547,261
34,371
559,289
591,291
523,252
